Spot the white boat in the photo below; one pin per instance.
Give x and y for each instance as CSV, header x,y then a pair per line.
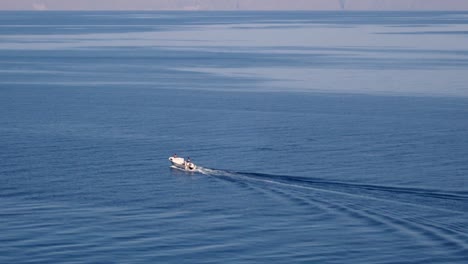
x,y
181,163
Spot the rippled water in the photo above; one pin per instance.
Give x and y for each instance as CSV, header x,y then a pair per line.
x,y
321,137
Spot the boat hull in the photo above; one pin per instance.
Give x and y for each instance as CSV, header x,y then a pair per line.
x,y
182,164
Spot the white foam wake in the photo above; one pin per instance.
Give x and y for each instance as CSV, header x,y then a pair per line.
x,y
207,171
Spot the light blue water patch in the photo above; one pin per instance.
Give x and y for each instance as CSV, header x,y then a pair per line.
x,y
323,51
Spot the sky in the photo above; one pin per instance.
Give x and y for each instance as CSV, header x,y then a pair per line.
x,y
234,5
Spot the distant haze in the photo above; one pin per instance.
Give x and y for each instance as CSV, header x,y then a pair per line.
x,y
415,5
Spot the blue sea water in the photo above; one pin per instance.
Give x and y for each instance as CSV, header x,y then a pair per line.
x,y
323,137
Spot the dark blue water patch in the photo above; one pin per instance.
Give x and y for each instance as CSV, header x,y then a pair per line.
x,y
85,174
152,57
36,41
69,23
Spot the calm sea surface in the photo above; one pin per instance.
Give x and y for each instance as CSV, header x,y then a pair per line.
x,y
322,137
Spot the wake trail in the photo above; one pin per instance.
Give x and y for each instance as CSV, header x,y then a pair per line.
x,y
436,199
306,191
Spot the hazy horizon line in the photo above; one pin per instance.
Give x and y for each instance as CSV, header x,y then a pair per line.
x,y
235,5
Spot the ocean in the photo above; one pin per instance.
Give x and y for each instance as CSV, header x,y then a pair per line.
x,y
321,137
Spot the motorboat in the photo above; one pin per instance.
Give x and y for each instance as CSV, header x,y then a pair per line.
x,y
181,163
